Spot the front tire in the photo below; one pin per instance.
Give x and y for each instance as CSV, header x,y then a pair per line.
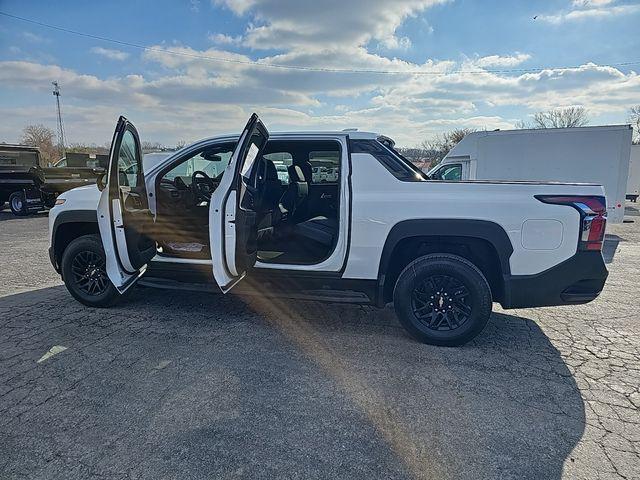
x,y
17,204
84,272
442,299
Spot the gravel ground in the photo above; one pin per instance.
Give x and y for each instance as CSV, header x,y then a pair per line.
x,y
191,385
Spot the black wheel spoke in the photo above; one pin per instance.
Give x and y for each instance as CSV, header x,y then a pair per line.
x,y
446,317
89,275
439,318
440,302
462,308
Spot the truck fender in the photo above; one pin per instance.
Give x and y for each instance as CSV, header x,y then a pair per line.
x,y
80,217
480,229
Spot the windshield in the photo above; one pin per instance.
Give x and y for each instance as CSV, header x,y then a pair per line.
x,y
211,160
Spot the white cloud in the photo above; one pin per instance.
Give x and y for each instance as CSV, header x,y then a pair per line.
x,y
222,39
184,94
395,43
111,54
196,98
292,24
34,38
590,10
590,3
501,61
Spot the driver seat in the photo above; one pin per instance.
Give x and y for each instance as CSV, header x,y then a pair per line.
x,y
271,195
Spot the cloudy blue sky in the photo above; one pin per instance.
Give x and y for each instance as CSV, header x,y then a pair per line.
x,y
457,63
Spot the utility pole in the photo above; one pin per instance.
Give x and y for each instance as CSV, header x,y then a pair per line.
x,y
56,93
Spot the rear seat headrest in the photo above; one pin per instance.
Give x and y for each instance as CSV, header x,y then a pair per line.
x,y
295,174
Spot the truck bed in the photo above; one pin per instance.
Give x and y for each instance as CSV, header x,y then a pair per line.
x,y
62,179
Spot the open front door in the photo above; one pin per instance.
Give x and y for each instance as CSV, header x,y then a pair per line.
x,y
232,213
124,217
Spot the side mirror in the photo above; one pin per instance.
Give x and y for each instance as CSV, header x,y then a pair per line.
x,y
101,180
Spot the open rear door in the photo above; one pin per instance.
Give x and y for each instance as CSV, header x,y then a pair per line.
x,y
124,217
232,212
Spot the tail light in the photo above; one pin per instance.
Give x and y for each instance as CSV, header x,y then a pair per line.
x,y
593,217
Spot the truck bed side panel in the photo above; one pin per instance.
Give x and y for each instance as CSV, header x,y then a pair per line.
x,y
380,201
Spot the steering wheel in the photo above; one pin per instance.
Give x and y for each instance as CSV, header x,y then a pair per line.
x,y
202,190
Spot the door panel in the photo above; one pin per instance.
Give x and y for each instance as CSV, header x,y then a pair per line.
x,y
124,217
232,221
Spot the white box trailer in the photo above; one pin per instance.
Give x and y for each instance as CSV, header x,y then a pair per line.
x,y
633,184
597,155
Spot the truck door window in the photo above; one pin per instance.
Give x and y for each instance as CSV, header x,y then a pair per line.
x,y
128,165
450,172
281,160
325,166
211,161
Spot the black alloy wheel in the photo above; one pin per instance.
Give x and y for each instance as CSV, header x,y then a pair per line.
x,y
439,302
442,299
89,273
83,268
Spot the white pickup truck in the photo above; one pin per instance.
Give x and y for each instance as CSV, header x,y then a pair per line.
x,y
440,251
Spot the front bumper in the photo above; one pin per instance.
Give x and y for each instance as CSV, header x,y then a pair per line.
x,y
579,279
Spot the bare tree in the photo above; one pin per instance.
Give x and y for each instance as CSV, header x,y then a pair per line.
x,y
148,147
180,144
634,119
437,148
419,156
561,118
42,137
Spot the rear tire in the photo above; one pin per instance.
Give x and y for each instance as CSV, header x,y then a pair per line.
x,y
17,204
442,299
84,272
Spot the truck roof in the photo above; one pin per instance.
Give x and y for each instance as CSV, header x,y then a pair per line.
x,y
469,144
353,133
17,147
552,130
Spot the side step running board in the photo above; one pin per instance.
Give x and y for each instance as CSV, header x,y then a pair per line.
x,y
334,296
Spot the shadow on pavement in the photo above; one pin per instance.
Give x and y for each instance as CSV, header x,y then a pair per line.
x,y
185,385
610,246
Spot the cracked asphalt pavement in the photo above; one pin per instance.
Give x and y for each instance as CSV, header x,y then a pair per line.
x,y
190,385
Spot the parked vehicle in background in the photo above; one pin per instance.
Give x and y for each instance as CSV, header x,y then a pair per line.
x,y
283,173
319,174
20,179
633,184
597,155
75,169
29,187
441,252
